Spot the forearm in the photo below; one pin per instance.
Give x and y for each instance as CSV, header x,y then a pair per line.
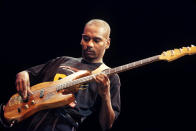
x,y
107,115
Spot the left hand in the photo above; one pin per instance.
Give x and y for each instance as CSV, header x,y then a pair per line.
x,y
103,85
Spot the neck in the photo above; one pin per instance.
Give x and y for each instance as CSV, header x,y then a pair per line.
x,y
93,60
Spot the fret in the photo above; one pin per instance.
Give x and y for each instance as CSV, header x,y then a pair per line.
x,y
114,69
82,79
148,60
64,85
136,63
79,80
118,69
106,71
133,63
123,67
111,71
61,86
70,84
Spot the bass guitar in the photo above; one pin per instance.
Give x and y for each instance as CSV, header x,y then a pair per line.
x,y
59,93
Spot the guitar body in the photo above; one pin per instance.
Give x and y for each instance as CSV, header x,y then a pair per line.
x,y
45,96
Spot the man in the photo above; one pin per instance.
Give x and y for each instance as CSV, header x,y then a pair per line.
x,y
101,95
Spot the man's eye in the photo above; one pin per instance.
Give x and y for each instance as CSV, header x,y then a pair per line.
x,y
86,38
97,40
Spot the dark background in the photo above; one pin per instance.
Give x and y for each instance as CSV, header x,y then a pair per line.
x,y
159,96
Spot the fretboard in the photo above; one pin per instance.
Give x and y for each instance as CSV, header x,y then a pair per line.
x,y
109,71
131,65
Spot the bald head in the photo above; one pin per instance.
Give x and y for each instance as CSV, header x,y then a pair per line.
x,y
100,23
95,40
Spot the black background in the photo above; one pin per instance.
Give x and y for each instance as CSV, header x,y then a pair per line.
x,y
159,96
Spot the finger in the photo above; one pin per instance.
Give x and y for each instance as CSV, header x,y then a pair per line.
x,y
102,82
106,79
24,87
99,79
20,87
102,78
29,92
95,78
17,86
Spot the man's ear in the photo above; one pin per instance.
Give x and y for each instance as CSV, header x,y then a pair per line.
x,y
108,44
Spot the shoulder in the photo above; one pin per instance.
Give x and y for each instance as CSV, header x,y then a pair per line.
x,y
66,58
115,85
115,79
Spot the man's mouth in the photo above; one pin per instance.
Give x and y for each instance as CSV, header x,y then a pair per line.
x,y
89,52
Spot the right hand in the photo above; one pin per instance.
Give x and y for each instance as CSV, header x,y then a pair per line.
x,y
23,84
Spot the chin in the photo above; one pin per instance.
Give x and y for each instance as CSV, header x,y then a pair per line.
x,y
90,58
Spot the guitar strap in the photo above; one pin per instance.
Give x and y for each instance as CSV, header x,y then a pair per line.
x,y
2,120
101,68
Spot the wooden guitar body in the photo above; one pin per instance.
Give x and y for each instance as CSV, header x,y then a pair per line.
x,y
46,95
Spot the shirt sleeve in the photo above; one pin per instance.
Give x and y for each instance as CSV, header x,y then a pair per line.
x,y
44,72
115,94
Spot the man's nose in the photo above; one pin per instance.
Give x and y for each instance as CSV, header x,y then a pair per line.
x,y
90,43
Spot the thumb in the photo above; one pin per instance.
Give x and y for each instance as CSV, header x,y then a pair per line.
x,y
29,92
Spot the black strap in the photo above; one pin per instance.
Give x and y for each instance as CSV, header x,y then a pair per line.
x,y
42,116
3,122
69,119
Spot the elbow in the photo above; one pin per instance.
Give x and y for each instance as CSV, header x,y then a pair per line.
x,y
107,125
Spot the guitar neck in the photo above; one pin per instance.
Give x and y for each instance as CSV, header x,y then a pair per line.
x,y
131,65
110,72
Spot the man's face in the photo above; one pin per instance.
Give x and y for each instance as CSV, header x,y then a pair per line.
x,y
94,43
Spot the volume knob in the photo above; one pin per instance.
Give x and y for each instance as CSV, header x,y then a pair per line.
x,y
26,106
33,102
19,110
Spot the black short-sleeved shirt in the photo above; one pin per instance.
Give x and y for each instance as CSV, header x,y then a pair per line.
x,y
87,100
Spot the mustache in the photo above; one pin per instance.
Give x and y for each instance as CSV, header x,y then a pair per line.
x,y
89,49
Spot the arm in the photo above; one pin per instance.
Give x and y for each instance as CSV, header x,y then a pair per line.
x,y
106,115
35,75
